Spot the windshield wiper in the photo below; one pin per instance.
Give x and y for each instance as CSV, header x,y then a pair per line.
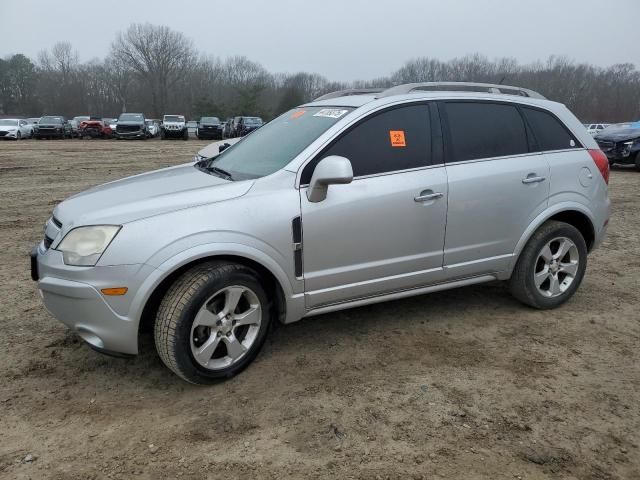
x,y
219,172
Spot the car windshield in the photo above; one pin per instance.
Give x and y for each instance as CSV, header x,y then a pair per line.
x,y
209,120
252,121
50,120
8,123
273,146
80,119
131,117
173,118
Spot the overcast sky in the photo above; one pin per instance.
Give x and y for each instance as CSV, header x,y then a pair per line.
x,y
341,39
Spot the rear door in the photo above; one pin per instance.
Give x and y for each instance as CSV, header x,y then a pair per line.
x,y
383,232
497,186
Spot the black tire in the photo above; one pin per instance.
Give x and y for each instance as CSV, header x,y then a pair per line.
x,y
637,162
185,135
19,135
178,310
522,283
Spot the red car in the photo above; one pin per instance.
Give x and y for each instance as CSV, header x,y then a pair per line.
x,y
94,128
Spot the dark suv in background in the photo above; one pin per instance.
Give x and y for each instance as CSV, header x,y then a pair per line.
x,y
209,128
247,125
621,143
53,126
131,125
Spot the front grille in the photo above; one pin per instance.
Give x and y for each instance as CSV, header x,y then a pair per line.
x,y
127,128
2,134
606,145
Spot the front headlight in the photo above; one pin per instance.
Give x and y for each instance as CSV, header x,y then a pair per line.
x,y
83,246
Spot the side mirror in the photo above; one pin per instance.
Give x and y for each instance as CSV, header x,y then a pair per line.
x,y
333,170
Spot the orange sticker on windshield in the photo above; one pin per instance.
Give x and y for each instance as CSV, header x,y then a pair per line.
x,y
297,114
397,138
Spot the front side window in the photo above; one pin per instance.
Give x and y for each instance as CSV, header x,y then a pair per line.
x,y
393,140
484,130
549,133
270,148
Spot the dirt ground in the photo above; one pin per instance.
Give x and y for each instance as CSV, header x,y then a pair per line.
x,y
460,384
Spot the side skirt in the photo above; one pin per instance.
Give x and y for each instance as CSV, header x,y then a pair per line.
x,y
400,294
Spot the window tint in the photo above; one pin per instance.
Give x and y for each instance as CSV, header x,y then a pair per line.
x,y
549,133
396,139
485,130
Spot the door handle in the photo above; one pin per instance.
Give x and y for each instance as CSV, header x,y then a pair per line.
x,y
427,196
533,178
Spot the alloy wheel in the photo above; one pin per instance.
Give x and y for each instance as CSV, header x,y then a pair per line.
x,y
225,327
556,267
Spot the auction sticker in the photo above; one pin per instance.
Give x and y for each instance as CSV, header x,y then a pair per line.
x,y
397,138
331,113
297,114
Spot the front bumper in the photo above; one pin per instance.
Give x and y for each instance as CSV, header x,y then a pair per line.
x,y
72,295
171,133
11,134
134,134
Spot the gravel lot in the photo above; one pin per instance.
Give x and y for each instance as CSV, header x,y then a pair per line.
x,y
459,384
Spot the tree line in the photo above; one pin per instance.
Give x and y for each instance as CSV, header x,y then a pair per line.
x,y
156,70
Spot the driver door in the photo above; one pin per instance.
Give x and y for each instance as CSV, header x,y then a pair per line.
x,y
384,231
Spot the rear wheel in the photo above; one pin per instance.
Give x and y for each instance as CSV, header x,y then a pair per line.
x,y
551,266
212,322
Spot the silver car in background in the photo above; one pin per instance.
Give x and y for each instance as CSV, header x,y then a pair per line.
x,y
356,198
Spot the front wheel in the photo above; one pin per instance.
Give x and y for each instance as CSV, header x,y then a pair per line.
x,y
551,266
212,322
637,162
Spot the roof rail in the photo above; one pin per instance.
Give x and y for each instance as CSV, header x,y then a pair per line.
x,y
349,92
460,87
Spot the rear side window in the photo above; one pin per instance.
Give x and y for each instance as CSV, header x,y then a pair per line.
x,y
549,132
484,130
393,140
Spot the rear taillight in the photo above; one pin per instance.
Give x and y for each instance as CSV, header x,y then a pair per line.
x,y
602,162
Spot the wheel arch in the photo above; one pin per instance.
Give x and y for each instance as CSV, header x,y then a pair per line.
x,y
572,213
273,283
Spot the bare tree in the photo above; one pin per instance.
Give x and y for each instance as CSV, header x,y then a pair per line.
x,y
159,55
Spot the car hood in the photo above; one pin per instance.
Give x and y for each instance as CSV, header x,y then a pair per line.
x,y
136,124
50,125
8,128
621,135
147,194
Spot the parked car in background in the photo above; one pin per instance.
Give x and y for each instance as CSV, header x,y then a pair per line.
x,y
131,126
75,124
227,128
246,125
174,126
153,126
192,126
345,201
15,129
33,121
53,126
209,128
95,127
621,143
595,128
112,122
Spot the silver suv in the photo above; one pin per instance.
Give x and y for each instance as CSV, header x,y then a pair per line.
x,y
356,198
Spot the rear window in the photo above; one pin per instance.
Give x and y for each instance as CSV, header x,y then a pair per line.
x,y
548,131
484,130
